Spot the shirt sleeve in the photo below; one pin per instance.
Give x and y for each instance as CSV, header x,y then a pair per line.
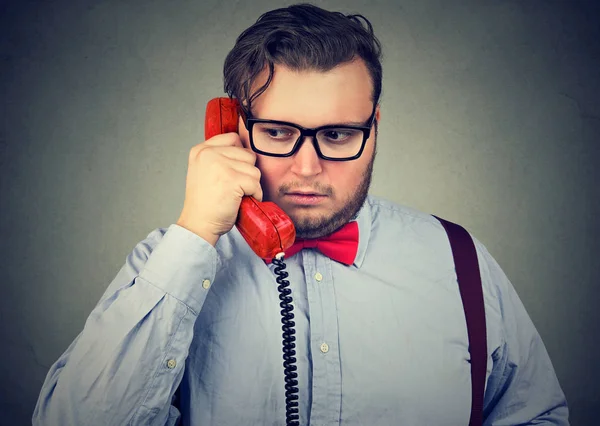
x,y
126,364
522,388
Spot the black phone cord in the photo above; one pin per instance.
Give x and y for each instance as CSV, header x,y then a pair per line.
x,y
289,360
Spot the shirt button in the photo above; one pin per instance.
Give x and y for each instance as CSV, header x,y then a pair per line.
x,y
324,348
206,283
318,276
171,363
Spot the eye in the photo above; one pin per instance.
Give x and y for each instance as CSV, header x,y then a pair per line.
x,y
339,135
279,133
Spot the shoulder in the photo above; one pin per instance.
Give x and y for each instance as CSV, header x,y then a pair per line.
x,y
391,213
416,226
421,236
392,222
385,209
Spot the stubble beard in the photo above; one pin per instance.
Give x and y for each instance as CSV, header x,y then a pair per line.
x,y
314,227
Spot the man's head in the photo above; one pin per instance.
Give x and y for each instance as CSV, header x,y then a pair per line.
x,y
311,67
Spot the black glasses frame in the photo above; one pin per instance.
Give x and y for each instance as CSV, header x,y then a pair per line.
x,y
249,122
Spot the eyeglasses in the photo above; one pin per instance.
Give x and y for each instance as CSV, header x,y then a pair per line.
x,y
283,139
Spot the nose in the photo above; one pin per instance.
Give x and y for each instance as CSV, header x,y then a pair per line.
x,y
306,161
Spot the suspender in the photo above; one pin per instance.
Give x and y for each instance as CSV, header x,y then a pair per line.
x,y
471,293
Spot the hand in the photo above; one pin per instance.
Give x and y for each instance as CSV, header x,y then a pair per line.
x,y
220,172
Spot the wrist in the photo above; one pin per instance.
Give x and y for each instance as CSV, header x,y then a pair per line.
x,y
200,231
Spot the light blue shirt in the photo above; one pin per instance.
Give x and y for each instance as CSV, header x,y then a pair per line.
x,y
380,342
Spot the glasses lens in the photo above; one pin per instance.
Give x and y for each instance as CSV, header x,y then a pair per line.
x,y
276,138
340,142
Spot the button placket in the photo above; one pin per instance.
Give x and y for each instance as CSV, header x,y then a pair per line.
x,y
324,335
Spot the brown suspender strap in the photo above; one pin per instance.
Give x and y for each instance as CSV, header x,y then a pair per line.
x,y
471,293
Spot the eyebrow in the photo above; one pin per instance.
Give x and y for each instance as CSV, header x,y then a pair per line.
x,y
336,124
349,123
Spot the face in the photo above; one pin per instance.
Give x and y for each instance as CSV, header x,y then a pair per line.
x,y
312,99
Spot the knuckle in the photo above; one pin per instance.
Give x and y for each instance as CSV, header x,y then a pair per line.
x,y
229,175
230,139
197,150
193,152
207,154
235,138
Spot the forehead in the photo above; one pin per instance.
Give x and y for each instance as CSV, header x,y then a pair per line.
x,y
312,98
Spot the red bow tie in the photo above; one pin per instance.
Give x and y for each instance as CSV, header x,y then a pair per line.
x,y
341,246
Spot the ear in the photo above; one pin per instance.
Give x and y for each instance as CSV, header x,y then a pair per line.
x,y
377,114
243,132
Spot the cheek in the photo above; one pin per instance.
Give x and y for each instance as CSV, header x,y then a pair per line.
x,y
345,180
272,173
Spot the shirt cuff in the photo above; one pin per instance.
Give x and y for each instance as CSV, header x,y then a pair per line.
x,y
183,265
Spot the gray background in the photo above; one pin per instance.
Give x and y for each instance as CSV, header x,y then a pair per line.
x,y
490,118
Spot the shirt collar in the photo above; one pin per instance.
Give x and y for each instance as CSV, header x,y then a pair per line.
x,y
364,220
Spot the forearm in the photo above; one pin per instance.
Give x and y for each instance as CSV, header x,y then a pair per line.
x,y
525,391
522,388
128,361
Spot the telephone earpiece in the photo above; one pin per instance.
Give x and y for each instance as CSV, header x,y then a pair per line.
x,y
264,226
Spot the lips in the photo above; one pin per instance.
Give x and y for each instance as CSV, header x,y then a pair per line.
x,y
305,198
306,193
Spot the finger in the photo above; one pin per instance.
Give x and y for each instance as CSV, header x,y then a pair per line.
x,y
239,154
220,154
224,139
251,187
245,169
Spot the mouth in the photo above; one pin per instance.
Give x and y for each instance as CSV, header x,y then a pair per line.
x,y
305,198
306,193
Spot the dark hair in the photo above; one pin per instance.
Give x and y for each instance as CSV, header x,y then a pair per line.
x,y
300,37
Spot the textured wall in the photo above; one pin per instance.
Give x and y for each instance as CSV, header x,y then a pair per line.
x,y
490,118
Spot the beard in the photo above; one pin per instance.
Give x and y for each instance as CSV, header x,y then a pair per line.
x,y
315,227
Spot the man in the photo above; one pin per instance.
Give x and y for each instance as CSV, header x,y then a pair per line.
x,y
190,330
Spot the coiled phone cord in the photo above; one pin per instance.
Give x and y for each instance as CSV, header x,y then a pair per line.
x,y
289,359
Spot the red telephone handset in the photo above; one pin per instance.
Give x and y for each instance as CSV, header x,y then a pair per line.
x,y
266,228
